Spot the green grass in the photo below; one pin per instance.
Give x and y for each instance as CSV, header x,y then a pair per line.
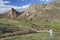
x,y
11,25
55,25
9,22
35,36
24,24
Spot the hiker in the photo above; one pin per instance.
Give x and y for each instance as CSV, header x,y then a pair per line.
x,y
51,32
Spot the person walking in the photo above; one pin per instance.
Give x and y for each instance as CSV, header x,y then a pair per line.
x,y
51,32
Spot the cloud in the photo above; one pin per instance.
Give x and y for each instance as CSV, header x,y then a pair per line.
x,y
2,4
6,1
4,7
25,6
16,7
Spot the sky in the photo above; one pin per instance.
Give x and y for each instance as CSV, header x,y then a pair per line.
x,y
5,5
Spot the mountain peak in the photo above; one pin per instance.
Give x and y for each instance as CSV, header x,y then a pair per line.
x,y
42,12
13,14
12,9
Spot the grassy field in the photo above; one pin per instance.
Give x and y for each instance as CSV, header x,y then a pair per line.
x,y
54,25
22,23
35,36
9,22
11,25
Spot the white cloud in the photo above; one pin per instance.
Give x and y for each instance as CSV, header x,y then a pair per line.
x,y
4,7
1,2
6,1
47,0
16,7
25,6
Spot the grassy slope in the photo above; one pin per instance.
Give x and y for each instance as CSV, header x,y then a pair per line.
x,y
24,24
55,25
9,22
34,36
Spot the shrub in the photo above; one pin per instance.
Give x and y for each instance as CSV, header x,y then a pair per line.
x,y
8,29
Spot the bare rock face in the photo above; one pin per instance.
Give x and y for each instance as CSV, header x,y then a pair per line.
x,y
37,12
12,14
41,12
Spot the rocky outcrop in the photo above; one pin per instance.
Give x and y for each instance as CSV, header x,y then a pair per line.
x,y
39,12
12,14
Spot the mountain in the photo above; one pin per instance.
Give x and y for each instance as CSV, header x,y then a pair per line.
x,y
36,12
39,12
12,14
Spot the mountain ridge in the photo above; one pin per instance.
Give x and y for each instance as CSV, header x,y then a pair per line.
x,y
37,12
12,14
48,12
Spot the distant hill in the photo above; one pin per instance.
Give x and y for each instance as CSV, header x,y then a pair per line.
x,y
12,14
37,12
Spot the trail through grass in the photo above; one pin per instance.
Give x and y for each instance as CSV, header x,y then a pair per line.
x,y
35,36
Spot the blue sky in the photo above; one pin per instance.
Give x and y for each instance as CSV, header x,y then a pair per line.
x,y
25,2
5,5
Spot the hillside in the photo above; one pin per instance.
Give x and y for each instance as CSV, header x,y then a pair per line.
x,y
36,12
39,12
36,19
12,14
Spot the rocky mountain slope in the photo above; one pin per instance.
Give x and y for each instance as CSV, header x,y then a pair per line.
x,y
12,14
37,12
